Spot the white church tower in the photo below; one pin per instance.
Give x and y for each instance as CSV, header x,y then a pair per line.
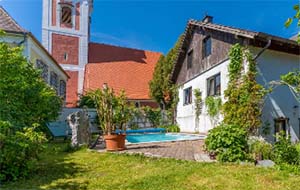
x,y
65,34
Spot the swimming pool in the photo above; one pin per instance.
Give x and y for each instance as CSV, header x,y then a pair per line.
x,y
161,137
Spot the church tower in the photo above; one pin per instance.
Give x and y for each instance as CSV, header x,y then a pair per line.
x,y
65,34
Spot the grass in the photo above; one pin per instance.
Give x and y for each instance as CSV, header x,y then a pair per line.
x,y
91,170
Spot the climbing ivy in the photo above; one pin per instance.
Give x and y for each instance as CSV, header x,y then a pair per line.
x,y
213,105
198,102
244,95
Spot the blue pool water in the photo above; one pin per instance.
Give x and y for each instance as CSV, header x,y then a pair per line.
x,y
160,137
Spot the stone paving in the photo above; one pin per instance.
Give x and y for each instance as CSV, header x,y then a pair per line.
x,y
183,150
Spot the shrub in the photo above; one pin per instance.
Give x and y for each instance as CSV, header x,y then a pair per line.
x,y
134,126
153,115
18,150
284,151
228,142
171,128
297,146
259,148
25,97
86,101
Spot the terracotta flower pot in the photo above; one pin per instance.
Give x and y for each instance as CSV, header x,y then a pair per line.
x,y
121,142
115,142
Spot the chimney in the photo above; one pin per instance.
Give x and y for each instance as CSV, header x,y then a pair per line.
x,y
207,19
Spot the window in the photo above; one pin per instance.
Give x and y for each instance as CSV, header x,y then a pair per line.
x,y
190,59
66,15
54,81
206,48
62,89
280,126
214,85
187,96
137,104
44,68
65,56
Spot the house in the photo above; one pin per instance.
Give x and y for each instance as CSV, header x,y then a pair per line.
x,y
52,72
202,63
66,35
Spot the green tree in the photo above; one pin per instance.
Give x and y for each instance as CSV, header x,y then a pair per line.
x,y
161,88
296,17
25,99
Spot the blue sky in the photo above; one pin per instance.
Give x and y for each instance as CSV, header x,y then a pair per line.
x,y
156,24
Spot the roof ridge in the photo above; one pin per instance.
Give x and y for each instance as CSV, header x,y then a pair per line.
x,y
112,45
12,19
254,33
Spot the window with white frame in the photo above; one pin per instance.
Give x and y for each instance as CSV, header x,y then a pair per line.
x,y
66,15
187,96
214,85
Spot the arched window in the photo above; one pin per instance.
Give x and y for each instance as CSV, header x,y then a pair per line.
x,y
66,15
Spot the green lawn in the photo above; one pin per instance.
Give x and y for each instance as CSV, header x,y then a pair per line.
x,y
92,170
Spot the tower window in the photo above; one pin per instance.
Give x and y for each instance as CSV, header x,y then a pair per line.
x,y
65,56
66,15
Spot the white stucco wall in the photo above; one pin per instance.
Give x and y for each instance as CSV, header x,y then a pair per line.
x,y
186,113
280,102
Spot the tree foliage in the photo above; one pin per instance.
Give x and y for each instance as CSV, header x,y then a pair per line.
x,y
296,17
244,95
26,103
25,99
19,150
161,88
292,80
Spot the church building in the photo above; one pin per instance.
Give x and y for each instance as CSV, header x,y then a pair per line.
x,y
66,35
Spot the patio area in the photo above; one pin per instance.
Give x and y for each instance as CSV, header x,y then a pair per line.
x,y
182,150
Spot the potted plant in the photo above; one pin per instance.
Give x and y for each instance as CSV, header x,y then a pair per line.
x,y
114,113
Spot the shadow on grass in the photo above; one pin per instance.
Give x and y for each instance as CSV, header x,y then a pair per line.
x,y
54,170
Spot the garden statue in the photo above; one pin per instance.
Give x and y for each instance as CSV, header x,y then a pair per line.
x,y
79,124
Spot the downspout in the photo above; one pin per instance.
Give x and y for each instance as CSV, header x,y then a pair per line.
x,y
261,51
22,42
24,38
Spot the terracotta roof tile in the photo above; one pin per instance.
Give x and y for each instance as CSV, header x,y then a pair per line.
x,y
121,68
7,23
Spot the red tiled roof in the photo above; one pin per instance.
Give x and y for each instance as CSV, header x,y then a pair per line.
x,y
7,23
120,68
